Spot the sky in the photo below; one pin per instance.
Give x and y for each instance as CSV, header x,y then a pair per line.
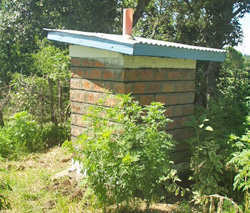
x,y
245,47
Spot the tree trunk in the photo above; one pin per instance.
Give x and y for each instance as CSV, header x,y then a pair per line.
x,y
142,4
211,74
60,102
52,102
1,119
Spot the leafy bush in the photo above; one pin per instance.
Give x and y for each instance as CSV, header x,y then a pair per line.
x,y
21,134
55,135
125,153
240,162
44,95
6,145
206,163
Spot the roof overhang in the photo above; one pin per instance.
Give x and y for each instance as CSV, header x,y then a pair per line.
x,y
137,46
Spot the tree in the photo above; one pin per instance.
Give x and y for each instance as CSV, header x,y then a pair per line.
x,y
205,23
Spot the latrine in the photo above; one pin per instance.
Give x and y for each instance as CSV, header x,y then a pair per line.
x,y
151,70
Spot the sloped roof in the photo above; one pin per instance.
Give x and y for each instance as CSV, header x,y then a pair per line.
x,y
136,46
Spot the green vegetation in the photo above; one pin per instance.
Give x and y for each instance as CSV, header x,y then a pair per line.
x,y
30,184
128,164
125,154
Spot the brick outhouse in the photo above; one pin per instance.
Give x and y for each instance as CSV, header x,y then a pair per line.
x,y
150,70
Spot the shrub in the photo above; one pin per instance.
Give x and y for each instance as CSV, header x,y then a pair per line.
x,y
21,134
206,162
240,162
55,135
6,145
125,153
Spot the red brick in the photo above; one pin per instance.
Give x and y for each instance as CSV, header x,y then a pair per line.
x,y
76,130
108,75
74,83
98,86
147,74
79,108
75,62
172,99
178,122
87,85
168,87
77,95
174,75
119,87
77,120
131,75
95,74
75,108
139,88
154,87
188,74
120,76
189,86
80,73
110,101
172,125
186,98
169,112
146,99
97,63
180,134
160,75
77,72
178,111
128,87
85,62
161,98
188,110
108,86
93,97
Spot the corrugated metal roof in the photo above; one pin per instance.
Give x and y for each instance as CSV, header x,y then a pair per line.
x,y
136,45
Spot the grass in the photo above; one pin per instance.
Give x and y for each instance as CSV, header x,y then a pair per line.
x,y
37,184
33,186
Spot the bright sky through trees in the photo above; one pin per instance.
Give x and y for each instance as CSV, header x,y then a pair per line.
x,y
245,46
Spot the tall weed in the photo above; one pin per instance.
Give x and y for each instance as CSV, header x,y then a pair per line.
x,y
125,153
206,163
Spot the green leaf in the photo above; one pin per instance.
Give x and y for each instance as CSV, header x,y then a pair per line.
x,y
177,191
183,192
202,118
212,155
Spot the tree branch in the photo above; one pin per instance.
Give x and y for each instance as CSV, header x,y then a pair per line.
x,y
142,4
242,7
189,6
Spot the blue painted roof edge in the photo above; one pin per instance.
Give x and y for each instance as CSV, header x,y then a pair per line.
x,y
94,42
137,49
175,52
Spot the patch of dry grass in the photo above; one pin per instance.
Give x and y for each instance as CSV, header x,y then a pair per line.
x,y
40,183
34,188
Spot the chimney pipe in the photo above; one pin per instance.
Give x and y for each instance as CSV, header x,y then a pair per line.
x,y
127,21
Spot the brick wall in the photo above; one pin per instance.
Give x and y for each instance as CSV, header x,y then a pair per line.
x,y
91,78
